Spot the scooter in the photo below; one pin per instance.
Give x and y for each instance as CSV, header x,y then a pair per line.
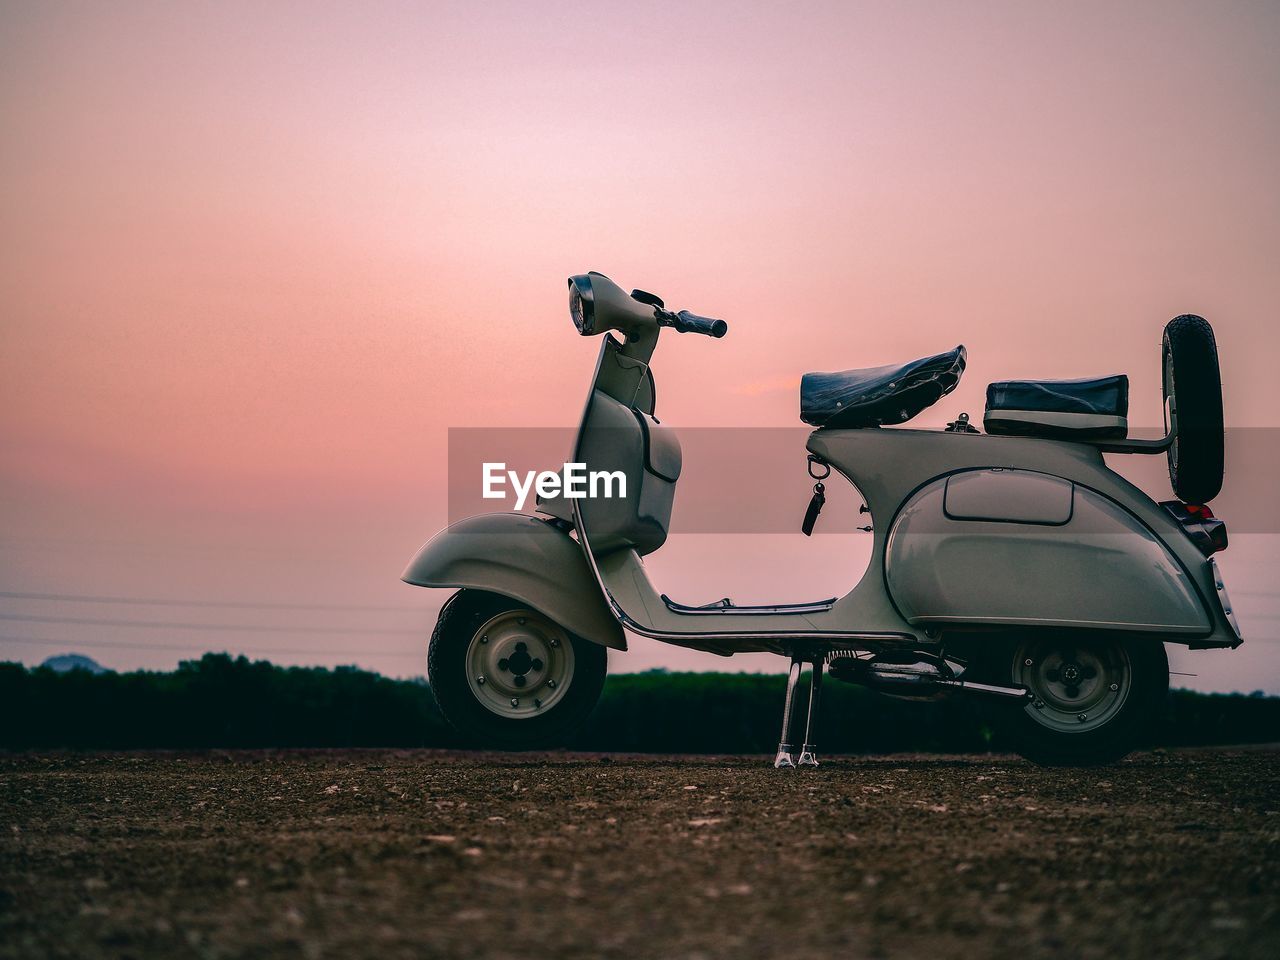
x,y
1011,566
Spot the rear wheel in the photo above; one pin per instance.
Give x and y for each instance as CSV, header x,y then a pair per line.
x,y
1094,699
506,676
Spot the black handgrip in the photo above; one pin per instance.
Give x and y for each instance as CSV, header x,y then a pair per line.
x,y
686,322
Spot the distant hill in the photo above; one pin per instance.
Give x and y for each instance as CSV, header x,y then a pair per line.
x,y
65,662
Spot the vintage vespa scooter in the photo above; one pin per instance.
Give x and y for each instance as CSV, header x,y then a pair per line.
x,y
1011,565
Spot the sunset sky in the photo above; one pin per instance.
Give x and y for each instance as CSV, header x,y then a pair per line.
x,y
259,258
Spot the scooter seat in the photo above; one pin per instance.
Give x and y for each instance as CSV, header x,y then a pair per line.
x,y
1091,409
877,395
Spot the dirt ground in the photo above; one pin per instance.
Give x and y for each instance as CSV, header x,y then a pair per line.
x,y
386,854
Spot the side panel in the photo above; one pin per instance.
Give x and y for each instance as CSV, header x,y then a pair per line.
x,y
522,557
1081,561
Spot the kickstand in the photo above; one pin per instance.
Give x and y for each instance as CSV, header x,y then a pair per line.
x,y
808,754
784,758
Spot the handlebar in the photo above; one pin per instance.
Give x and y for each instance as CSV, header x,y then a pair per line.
x,y
686,322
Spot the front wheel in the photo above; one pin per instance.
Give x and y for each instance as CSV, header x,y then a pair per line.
x,y
1094,699
506,676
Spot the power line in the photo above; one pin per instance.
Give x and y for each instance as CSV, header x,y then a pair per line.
x,y
222,627
108,644
125,645
159,602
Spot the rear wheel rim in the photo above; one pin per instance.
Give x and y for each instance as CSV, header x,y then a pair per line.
x,y
519,664
1076,687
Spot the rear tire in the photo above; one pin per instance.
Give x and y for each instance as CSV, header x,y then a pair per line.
x,y
508,677
1193,404
1096,699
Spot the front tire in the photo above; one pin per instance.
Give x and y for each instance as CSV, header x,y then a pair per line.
x,y
508,677
1095,698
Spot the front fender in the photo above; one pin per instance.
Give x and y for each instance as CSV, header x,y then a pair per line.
x,y
522,557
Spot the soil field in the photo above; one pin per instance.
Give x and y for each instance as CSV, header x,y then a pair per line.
x,y
387,854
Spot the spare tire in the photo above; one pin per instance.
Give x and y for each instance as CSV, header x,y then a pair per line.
x,y
1193,408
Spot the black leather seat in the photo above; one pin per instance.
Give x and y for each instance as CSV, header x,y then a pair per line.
x,y
1090,409
876,395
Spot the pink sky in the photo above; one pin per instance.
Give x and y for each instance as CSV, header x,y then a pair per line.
x,y
258,259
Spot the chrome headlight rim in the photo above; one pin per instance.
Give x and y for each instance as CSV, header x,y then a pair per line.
x,y
582,304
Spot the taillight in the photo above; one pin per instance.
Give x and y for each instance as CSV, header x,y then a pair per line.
x,y
1217,535
1197,520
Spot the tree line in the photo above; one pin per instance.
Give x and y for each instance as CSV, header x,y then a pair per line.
x,y
223,702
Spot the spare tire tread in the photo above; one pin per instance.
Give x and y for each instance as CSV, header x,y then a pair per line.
x,y
1197,455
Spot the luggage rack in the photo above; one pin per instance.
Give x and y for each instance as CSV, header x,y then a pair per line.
x,y
728,606
1135,446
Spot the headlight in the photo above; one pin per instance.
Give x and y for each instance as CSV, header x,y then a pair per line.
x,y
582,305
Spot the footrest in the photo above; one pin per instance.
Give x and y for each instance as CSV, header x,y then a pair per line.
x,y
727,606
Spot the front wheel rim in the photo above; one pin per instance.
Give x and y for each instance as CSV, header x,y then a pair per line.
x,y
519,664
1076,687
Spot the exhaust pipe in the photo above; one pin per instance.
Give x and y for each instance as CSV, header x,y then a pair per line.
x,y
988,689
917,676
